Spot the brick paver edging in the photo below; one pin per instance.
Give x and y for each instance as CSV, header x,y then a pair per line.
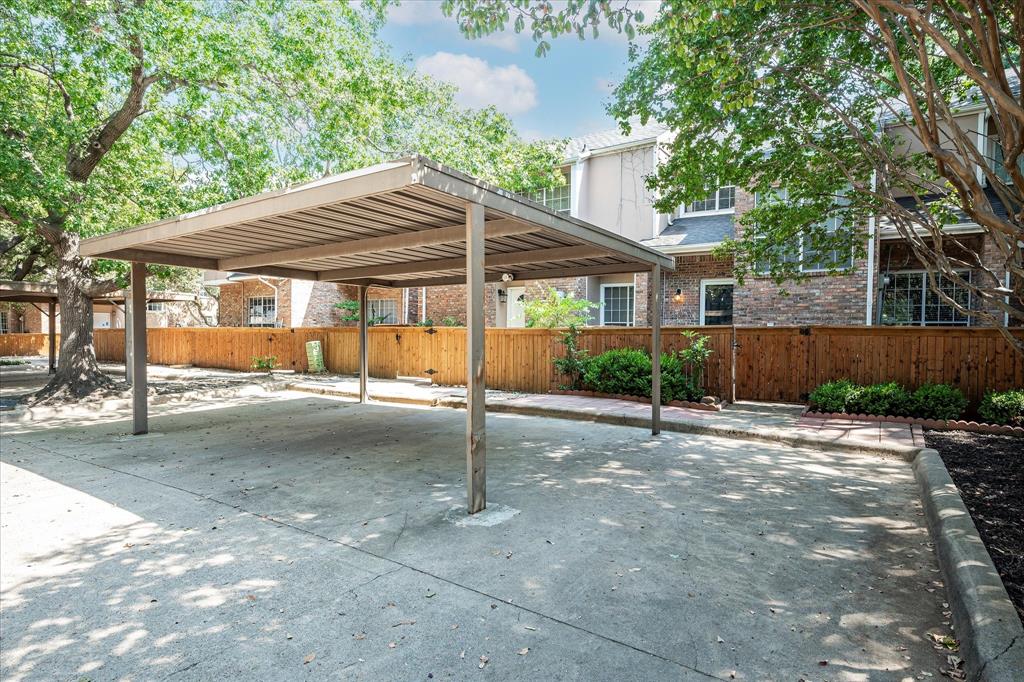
x,y
990,633
938,424
711,407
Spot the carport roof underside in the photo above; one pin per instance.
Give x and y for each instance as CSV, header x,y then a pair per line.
x,y
396,224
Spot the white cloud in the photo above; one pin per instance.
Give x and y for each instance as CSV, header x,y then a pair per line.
x,y
508,40
480,84
416,12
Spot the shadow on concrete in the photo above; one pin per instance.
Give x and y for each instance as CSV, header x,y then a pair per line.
x,y
241,537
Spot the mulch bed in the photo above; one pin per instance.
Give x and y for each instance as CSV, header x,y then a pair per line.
x,y
989,472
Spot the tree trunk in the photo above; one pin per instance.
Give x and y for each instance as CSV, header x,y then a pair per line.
x,y
78,373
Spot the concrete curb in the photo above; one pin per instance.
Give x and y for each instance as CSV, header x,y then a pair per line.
x,y
990,633
501,406
31,414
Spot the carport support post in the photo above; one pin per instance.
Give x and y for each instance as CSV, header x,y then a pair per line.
x,y
140,416
476,429
656,350
128,337
52,312
364,342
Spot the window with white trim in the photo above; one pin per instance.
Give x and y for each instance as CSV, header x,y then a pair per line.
x,y
262,311
717,201
995,158
716,301
4,328
558,199
382,311
154,307
907,299
802,251
617,301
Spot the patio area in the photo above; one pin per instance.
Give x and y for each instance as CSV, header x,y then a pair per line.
x,y
285,535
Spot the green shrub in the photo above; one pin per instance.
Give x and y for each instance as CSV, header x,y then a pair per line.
x,y
622,370
832,396
264,363
937,401
574,364
676,384
1003,407
888,399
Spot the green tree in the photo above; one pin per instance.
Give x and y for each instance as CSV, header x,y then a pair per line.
x,y
118,112
556,309
851,108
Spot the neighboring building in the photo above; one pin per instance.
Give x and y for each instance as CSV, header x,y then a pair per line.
x,y
256,301
173,310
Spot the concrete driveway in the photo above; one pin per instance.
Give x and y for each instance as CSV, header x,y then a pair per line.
x,y
296,536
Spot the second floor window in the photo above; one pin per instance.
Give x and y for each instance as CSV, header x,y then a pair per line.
x,y
154,307
558,199
721,199
802,250
262,311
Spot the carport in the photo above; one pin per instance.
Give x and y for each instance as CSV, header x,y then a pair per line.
x,y
37,293
405,223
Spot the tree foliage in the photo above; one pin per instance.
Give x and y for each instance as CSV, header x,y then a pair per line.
x,y
853,108
556,310
118,112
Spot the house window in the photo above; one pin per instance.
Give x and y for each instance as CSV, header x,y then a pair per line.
x,y
262,311
995,155
908,300
382,311
154,307
617,305
716,301
4,329
718,200
558,199
802,250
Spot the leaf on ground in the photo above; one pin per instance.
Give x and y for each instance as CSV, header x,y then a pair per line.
x,y
308,659
431,594
529,627
359,635
720,640
483,662
392,645
525,650
404,622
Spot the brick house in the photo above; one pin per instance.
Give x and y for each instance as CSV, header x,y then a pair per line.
x,y
25,318
255,301
605,185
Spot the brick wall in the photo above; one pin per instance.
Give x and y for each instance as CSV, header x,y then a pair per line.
x,y
234,299
690,270
819,299
22,318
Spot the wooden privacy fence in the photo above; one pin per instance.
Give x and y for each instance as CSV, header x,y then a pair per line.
x,y
777,363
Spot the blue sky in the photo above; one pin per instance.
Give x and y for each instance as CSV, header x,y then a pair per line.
x,y
559,95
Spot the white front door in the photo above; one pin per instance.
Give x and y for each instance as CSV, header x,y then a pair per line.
x,y
516,311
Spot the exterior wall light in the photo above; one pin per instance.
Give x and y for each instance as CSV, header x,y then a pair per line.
x,y
502,296
678,298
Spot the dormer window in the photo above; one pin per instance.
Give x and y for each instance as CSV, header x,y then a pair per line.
x,y
721,200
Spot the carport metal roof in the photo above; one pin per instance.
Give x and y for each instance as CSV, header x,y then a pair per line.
x,y
406,223
396,224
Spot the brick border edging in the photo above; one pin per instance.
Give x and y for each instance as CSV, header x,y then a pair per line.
x,y
717,407
990,632
939,424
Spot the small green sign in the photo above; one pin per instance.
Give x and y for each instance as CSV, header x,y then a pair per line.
x,y
315,356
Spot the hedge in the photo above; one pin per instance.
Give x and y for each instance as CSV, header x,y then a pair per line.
x,y
929,401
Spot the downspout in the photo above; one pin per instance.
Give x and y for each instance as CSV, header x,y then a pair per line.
x,y
871,260
405,305
423,304
276,294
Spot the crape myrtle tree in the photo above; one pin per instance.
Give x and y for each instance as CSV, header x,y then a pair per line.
x,y
118,112
848,107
